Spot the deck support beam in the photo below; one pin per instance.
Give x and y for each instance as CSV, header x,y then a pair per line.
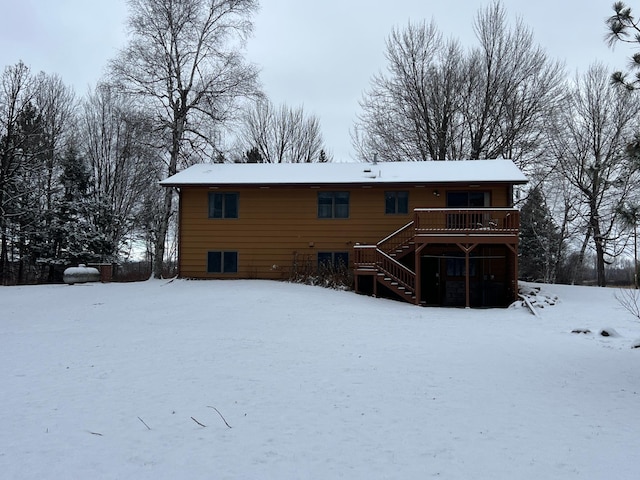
x,y
466,248
418,269
514,268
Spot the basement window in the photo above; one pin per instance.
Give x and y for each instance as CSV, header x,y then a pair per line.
x,y
333,261
222,262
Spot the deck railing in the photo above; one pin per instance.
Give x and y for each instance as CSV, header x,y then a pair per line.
x,y
370,257
439,221
365,257
479,221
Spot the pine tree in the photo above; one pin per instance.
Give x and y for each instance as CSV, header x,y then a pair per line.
x,y
623,27
539,237
253,156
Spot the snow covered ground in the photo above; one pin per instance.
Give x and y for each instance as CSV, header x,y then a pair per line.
x,y
126,381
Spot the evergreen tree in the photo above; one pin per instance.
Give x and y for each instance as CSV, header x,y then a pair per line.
x,y
253,156
72,228
623,27
539,237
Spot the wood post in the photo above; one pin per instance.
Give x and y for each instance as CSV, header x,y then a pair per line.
x,y
467,250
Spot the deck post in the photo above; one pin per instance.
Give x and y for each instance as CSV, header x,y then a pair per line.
x,y
515,272
466,279
466,248
418,280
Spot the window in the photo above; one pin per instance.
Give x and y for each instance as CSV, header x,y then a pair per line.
x,y
396,202
333,204
333,260
468,199
456,267
468,220
222,262
223,205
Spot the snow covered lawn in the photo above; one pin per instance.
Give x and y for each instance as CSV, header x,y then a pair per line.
x,y
126,381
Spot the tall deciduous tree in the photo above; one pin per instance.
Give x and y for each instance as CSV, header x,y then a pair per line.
x,y
37,112
412,112
17,89
281,135
630,220
115,145
590,142
510,87
183,61
56,106
437,103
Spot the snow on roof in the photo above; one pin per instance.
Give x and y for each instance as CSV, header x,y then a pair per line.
x,y
347,173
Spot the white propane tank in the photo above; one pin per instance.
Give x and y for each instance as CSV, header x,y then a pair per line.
x,y
80,274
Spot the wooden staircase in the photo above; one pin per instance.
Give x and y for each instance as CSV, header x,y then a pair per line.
x,y
383,261
465,228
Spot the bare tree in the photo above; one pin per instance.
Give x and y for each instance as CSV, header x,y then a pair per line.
x,y
56,106
629,219
17,89
281,135
437,103
115,144
413,111
589,141
511,86
183,63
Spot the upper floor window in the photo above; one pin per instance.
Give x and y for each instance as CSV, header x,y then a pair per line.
x,y
396,202
468,199
333,204
223,205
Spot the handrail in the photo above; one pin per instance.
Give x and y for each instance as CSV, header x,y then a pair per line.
x,y
397,232
398,272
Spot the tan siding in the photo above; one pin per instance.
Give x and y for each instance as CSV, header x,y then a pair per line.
x,y
277,224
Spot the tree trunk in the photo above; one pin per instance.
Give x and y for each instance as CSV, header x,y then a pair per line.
x,y
180,118
578,265
161,238
4,258
599,243
602,281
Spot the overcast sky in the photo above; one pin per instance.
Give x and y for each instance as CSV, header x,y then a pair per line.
x,y
319,54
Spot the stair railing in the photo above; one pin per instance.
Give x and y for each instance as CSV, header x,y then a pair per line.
x,y
389,266
397,239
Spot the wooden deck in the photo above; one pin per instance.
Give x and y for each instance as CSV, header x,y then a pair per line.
x,y
465,228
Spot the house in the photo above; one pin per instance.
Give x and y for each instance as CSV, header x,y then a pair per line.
x,y
431,233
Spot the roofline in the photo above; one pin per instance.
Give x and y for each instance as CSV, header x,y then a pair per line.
x,y
164,183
